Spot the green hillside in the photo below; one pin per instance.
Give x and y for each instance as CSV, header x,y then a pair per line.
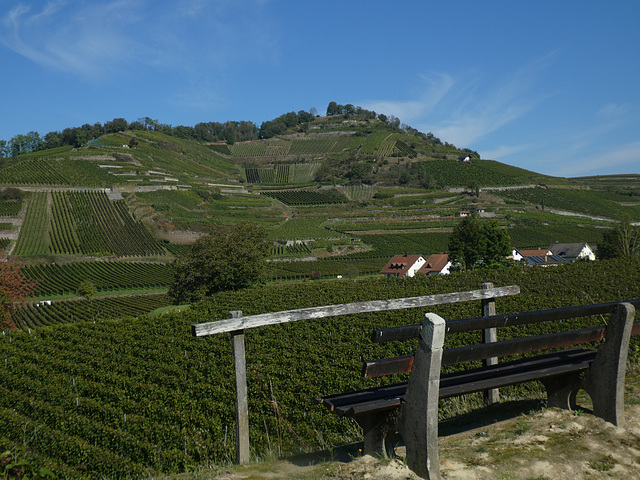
x,y
339,188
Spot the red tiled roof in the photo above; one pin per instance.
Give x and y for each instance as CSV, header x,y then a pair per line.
x,y
400,264
435,263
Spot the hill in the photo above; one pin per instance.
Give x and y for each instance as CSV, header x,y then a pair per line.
x,y
343,192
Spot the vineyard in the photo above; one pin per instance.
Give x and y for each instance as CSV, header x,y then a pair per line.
x,y
40,314
388,244
57,171
327,267
378,143
478,172
306,197
134,397
10,208
281,174
604,204
296,249
34,235
324,145
86,223
56,279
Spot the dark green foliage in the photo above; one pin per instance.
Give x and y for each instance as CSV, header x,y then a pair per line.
x,y
476,244
86,289
622,241
229,258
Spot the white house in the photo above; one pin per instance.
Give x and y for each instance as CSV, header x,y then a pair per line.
x,y
403,265
573,251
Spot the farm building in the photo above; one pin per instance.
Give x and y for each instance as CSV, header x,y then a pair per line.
x,y
403,265
573,251
542,257
436,264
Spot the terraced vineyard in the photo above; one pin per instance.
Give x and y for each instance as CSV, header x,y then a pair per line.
x,y
281,174
324,145
306,197
34,235
589,202
86,223
34,315
483,173
10,208
57,171
269,148
106,276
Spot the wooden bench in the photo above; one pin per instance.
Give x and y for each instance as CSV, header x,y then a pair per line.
x,y
411,408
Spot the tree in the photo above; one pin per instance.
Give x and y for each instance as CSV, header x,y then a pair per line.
x,y
229,258
622,241
15,288
473,244
86,289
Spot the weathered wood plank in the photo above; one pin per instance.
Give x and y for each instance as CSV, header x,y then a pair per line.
x,y
387,366
253,321
242,397
510,319
515,346
480,351
490,335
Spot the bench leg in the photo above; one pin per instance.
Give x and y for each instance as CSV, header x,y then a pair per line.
x,y
604,382
376,428
562,390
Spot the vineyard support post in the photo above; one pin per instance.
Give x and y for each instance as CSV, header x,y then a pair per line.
x,y
490,335
242,400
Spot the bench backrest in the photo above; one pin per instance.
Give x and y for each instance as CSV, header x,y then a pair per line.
x,y
403,364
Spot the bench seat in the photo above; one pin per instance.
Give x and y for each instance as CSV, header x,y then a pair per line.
x,y
389,397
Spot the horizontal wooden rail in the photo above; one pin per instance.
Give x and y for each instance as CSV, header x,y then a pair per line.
x,y
480,351
510,319
253,321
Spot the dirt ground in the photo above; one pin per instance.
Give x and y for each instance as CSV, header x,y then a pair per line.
x,y
515,440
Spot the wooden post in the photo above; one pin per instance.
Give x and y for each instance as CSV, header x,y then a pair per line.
x,y
490,335
418,423
242,400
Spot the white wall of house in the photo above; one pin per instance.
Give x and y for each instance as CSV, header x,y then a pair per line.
x,y
415,267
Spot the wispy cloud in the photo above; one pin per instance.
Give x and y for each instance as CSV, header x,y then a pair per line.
x,y
613,110
114,38
503,151
435,87
626,158
466,108
86,41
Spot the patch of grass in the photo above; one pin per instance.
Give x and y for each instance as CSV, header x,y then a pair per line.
x,y
521,427
605,464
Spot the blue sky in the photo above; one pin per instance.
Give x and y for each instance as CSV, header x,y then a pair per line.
x,y
549,86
